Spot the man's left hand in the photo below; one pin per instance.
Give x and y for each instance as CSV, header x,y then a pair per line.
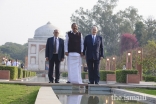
x,y
62,59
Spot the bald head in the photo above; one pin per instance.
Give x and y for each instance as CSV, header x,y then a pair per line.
x,y
56,32
94,30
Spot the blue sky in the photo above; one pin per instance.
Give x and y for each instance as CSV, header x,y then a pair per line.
x,y
20,18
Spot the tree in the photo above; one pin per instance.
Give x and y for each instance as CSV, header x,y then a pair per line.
x,y
129,17
151,28
140,33
149,58
110,25
128,42
14,50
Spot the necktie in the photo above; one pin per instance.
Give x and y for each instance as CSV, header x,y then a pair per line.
x,y
55,46
93,39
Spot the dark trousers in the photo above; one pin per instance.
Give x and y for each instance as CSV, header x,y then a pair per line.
x,y
54,61
93,70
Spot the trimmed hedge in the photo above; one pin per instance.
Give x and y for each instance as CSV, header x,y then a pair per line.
x,y
24,74
13,71
150,78
103,74
20,73
83,74
143,77
27,73
64,74
17,73
154,79
121,75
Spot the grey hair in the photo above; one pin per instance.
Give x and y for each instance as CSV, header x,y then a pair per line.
x,y
56,29
94,27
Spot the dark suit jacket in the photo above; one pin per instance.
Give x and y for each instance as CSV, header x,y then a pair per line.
x,y
93,51
49,48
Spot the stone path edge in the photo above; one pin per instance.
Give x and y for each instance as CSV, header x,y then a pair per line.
x,y
46,96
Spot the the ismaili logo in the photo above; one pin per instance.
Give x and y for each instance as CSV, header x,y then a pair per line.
x,y
127,97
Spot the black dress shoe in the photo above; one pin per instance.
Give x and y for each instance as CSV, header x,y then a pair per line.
x,y
57,82
97,83
68,82
90,83
50,81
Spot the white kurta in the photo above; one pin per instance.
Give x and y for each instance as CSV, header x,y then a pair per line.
x,y
74,61
74,68
74,99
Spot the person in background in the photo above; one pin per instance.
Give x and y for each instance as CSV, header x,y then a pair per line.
x,y
8,63
22,65
15,63
3,62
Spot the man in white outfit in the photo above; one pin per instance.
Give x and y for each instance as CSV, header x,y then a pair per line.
x,y
74,52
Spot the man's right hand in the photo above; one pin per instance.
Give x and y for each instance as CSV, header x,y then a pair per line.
x,y
66,53
84,57
47,59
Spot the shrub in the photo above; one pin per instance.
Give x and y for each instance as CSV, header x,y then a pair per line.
x,y
27,73
31,74
83,74
128,41
13,71
143,77
24,74
150,78
20,73
155,79
121,75
64,74
103,74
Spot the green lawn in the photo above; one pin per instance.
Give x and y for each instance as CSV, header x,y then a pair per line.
x,y
18,94
143,90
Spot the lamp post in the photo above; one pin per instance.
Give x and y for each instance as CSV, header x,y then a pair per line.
x,y
113,63
129,60
138,63
107,64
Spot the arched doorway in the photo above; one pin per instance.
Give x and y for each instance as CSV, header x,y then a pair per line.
x,y
41,60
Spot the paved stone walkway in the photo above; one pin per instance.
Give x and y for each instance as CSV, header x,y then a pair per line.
x,y
46,96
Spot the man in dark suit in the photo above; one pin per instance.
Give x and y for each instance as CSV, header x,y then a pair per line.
x,y
93,51
93,100
54,54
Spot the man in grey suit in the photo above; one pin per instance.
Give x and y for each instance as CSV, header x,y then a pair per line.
x,y
54,54
93,51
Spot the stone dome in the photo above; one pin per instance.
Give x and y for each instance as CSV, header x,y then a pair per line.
x,y
45,31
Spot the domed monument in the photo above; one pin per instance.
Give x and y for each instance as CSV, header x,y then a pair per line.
x,y
36,47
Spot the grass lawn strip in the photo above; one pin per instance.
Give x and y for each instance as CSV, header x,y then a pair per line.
x,y
143,90
18,94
